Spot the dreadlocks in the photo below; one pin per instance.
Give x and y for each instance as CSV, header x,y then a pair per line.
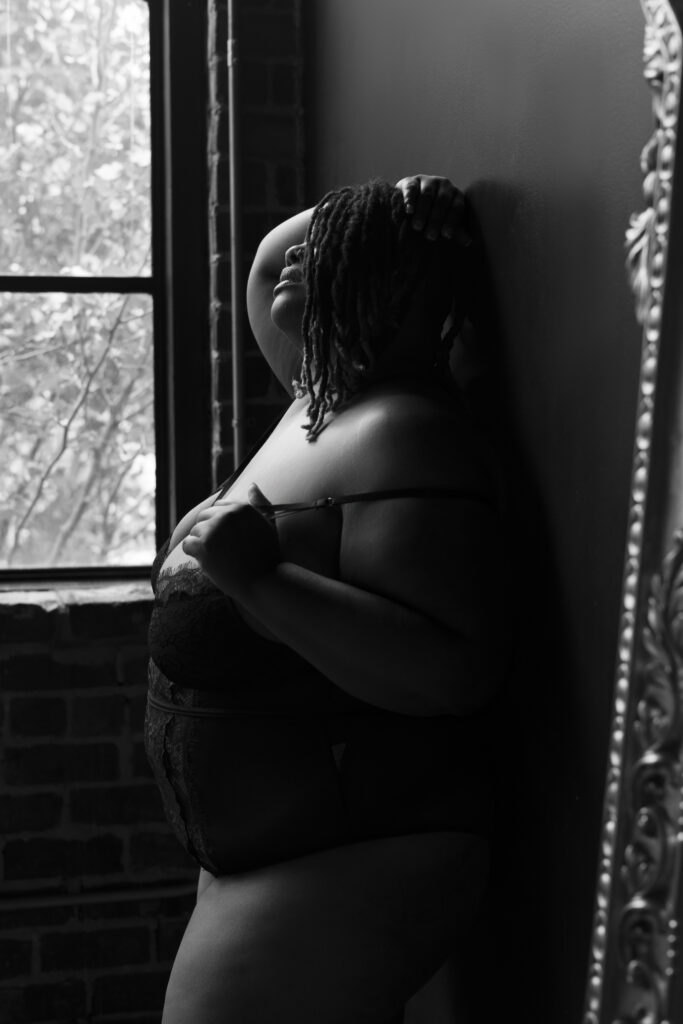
x,y
362,265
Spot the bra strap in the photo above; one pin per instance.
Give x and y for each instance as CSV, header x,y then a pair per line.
x,y
345,499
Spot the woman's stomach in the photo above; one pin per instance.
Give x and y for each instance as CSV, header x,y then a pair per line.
x,y
250,788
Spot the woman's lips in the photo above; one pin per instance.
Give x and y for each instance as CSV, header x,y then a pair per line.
x,y
288,277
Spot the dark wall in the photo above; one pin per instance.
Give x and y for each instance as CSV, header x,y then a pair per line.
x,y
539,109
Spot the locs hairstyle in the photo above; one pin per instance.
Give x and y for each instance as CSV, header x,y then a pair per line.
x,y
362,264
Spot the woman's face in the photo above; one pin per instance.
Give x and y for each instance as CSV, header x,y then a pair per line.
x,y
289,296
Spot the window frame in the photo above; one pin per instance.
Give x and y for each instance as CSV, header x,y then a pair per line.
x,y
179,284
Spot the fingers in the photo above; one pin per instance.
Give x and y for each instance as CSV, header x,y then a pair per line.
x,y
192,546
257,498
447,214
410,187
437,206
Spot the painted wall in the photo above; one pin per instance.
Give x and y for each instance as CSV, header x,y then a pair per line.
x,y
539,109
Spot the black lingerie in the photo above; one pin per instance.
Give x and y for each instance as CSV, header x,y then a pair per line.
x,y
259,757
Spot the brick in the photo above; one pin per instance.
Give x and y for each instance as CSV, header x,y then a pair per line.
x,y
225,463
257,377
32,672
129,992
140,764
63,1001
125,618
250,343
116,805
286,185
160,908
98,671
261,417
137,1019
64,858
253,83
15,957
37,716
37,918
28,623
223,376
270,136
98,716
91,950
32,812
132,667
255,183
58,763
169,934
284,85
151,851
137,708
224,423
39,672
267,35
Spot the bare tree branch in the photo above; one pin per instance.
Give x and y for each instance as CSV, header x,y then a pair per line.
x,y
65,432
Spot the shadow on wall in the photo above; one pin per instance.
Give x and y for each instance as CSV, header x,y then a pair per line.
x,y
507,962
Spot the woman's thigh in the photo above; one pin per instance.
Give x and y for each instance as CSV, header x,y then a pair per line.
x,y
344,936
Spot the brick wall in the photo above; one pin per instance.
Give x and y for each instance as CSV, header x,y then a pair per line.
x,y
272,173
95,891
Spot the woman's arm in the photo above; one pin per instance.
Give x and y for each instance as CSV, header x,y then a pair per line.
x,y
371,646
415,623
282,355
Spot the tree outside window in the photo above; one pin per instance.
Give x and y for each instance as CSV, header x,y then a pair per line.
x,y
76,285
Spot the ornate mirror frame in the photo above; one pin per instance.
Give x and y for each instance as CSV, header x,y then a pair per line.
x,y
636,956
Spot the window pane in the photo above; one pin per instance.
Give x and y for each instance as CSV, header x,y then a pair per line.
x,y
75,137
76,430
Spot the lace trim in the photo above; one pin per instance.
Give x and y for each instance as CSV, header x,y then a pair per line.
x,y
186,579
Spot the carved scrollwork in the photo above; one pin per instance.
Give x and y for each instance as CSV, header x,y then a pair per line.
x,y
638,876
644,925
647,235
647,864
651,868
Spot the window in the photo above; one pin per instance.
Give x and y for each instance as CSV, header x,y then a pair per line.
x,y
102,168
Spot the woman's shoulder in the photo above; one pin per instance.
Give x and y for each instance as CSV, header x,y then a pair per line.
x,y
420,437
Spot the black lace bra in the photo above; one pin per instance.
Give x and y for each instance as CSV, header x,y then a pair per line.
x,y
198,639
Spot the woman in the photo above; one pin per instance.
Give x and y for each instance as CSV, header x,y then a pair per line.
x,y
322,658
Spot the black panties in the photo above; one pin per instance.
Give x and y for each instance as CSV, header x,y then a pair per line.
x,y
243,789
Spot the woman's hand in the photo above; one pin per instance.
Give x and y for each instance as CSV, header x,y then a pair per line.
x,y
435,205
235,544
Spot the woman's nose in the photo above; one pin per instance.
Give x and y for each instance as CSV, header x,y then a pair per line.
x,y
295,254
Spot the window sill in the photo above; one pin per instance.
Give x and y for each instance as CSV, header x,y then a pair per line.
x,y
51,595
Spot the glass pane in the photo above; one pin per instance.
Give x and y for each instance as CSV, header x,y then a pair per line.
x,y
76,430
75,138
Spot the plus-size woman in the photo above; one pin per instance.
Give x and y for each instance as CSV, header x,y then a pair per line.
x,y
323,650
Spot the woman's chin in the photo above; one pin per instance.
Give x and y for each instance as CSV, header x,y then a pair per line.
x,y
287,312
